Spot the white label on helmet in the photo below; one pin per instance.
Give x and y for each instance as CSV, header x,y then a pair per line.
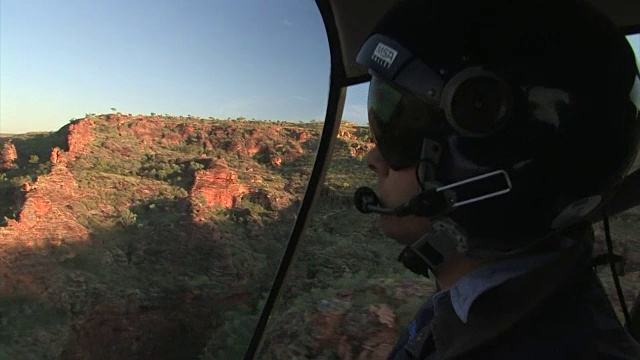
x,y
544,104
384,55
635,93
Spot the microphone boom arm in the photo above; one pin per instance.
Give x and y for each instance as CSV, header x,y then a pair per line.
x,y
432,203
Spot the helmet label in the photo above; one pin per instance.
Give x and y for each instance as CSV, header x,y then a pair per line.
x,y
545,103
384,55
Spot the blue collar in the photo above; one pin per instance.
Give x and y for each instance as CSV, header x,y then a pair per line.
x,y
463,294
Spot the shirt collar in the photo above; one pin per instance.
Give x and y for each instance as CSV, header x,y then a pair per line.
x,y
463,294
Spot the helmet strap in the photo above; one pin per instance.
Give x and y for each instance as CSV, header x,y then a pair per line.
x,y
444,239
429,160
435,201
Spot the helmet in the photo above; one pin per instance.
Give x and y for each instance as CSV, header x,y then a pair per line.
x,y
532,108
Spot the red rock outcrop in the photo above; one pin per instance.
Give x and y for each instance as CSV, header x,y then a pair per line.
x,y
145,129
346,134
303,136
296,134
79,136
217,185
46,210
172,139
55,154
362,149
252,146
276,161
8,156
46,232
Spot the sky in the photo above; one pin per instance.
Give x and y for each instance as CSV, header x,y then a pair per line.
x,y
262,59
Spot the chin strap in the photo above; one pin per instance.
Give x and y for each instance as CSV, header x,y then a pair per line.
x,y
425,255
446,238
417,260
435,201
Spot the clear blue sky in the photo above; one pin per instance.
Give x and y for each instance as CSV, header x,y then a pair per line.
x,y
263,59
257,59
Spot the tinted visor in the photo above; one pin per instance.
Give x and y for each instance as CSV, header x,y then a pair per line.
x,y
399,121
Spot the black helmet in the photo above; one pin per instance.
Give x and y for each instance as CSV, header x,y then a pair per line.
x,y
540,96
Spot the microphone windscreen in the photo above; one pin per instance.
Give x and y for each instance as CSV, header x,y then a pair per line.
x,y
363,198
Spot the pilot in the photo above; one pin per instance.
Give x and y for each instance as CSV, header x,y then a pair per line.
x,y
501,127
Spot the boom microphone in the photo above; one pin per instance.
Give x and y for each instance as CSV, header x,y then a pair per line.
x,y
366,202
437,201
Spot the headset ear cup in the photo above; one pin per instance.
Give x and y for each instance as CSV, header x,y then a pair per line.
x,y
477,102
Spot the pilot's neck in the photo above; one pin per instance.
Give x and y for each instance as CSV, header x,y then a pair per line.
x,y
454,268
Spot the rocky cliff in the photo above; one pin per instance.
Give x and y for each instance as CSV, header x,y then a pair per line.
x,y
133,227
8,156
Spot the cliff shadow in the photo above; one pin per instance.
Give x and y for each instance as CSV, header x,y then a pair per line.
x,y
180,278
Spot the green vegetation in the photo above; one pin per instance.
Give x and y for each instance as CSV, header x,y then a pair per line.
x,y
34,150
165,274
147,255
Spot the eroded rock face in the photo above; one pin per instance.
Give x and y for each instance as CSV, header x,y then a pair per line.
x,y
276,161
217,185
8,156
80,135
46,232
56,155
45,208
302,136
147,130
346,134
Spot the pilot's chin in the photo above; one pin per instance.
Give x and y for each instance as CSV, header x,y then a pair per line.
x,y
393,228
404,230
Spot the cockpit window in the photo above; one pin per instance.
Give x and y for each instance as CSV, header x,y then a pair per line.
x,y
153,157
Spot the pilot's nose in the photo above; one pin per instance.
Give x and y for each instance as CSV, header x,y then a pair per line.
x,y
377,163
